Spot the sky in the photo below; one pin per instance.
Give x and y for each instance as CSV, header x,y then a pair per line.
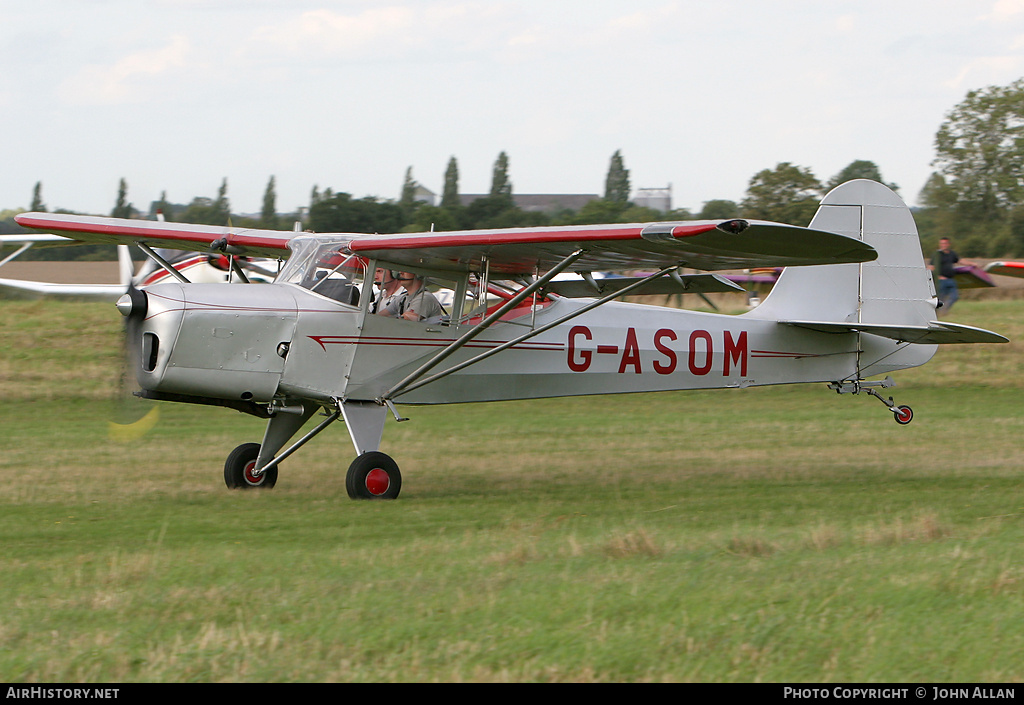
x,y
177,95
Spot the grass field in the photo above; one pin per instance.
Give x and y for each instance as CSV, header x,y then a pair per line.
x,y
782,534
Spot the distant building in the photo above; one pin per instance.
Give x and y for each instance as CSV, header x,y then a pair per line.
x,y
542,203
660,199
422,193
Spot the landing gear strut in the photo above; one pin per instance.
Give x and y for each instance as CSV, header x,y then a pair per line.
x,y
372,475
903,414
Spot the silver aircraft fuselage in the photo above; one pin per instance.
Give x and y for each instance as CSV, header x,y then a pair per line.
x,y
267,342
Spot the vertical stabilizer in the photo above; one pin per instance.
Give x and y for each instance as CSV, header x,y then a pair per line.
x,y
894,289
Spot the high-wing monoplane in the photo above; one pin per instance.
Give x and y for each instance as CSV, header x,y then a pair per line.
x,y
855,301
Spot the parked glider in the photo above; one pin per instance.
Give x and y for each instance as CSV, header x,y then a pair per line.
x,y
855,301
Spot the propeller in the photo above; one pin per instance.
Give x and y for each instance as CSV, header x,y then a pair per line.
x,y
135,416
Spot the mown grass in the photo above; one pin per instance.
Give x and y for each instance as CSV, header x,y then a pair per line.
x,y
785,534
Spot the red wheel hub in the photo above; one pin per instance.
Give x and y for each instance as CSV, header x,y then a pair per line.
x,y
250,477
377,482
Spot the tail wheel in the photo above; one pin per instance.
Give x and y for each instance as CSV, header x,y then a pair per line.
x,y
373,475
239,469
903,415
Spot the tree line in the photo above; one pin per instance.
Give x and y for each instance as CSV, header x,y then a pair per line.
x,y
975,195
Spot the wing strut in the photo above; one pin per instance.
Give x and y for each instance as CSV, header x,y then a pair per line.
x,y
162,262
408,386
483,325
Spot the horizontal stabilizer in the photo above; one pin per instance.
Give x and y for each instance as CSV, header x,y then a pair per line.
x,y
687,284
935,333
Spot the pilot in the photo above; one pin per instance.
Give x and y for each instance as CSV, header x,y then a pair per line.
x,y
418,304
390,289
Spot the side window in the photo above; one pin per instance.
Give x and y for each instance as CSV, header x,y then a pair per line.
x,y
414,297
338,277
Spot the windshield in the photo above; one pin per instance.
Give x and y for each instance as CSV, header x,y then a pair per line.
x,y
322,266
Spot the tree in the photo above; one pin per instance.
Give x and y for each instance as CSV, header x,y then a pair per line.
x,y
501,187
344,214
221,205
859,169
162,207
122,208
208,211
600,210
432,218
616,184
786,194
719,209
37,199
268,216
450,194
408,198
980,150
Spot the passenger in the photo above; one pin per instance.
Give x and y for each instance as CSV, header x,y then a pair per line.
x,y
390,289
418,304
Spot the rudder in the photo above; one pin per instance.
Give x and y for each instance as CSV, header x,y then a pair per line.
x,y
895,289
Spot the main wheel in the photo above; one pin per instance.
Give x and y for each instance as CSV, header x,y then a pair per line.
x,y
904,415
239,467
373,475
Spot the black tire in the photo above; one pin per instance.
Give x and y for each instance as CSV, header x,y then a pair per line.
x,y
373,475
903,415
239,465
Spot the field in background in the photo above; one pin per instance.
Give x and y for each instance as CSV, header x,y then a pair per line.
x,y
781,534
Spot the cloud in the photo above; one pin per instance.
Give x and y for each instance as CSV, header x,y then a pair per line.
x,y
987,71
1005,9
394,31
125,81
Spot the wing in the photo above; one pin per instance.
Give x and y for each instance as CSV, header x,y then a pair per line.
x,y
180,236
22,288
37,240
706,245
30,289
1007,269
24,242
971,277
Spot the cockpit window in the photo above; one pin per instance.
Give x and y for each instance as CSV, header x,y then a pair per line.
x,y
322,266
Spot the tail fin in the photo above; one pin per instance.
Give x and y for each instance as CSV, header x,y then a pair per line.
x,y
891,300
895,289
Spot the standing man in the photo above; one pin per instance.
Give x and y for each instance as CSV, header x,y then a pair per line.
x,y
943,268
